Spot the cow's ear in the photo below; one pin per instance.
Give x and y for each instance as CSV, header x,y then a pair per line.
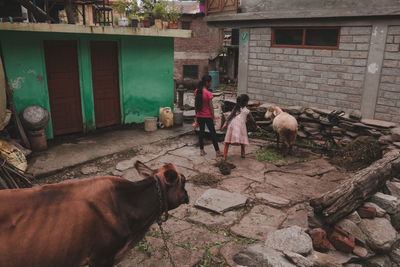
x,y
143,170
171,176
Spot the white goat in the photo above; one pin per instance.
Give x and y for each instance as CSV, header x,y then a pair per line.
x,y
285,126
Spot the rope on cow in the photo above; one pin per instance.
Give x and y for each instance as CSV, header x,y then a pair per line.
x,y
160,220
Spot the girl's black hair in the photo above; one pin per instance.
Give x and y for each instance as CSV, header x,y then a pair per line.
x,y
241,101
198,101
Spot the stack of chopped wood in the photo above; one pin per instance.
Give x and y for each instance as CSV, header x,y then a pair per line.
x,y
11,177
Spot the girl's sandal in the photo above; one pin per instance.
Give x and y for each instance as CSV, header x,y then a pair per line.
x,y
243,156
219,154
202,153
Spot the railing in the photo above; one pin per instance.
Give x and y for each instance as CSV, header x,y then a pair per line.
x,y
220,6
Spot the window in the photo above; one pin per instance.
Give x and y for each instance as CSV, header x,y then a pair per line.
x,y
191,71
185,25
317,38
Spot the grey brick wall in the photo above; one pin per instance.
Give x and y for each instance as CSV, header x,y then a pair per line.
x,y
388,103
331,79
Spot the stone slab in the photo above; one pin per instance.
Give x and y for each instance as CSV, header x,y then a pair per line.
x,y
236,185
259,222
394,188
322,259
379,232
387,202
379,123
311,167
292,239
258,255
209,219
273,201
124,165
297,215
220,201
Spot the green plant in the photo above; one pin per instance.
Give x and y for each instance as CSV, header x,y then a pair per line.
x,y
120,6
147,5
268,155
160,10
174,14
133,8
145,248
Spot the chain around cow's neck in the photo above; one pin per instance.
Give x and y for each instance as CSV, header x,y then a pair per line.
x,y
162,196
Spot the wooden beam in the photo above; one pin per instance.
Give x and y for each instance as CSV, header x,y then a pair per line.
x,y
37,12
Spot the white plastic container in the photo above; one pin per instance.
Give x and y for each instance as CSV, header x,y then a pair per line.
x,y
123,22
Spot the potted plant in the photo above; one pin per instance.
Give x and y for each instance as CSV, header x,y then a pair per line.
x,y
146,20
159,12
120,6
173,15
133,10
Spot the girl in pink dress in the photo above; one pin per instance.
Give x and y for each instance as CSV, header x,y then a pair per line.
x,y
237,130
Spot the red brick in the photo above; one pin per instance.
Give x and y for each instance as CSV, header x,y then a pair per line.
x,y
367,212
342,240
319,239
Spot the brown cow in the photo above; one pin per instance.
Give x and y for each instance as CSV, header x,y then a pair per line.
x,y
91,221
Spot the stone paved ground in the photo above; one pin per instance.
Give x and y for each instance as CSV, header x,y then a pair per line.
x,y
277,195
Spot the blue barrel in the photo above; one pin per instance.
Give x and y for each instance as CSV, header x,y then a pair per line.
x,y
215,79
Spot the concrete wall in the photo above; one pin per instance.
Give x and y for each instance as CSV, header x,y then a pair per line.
x,y
197,50
145,69
326,78
388,104
356,5
361,75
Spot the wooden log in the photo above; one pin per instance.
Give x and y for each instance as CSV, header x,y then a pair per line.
x,y
347,197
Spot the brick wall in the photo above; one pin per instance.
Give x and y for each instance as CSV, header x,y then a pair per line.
x,y
324,78
206,39
388,104
205,43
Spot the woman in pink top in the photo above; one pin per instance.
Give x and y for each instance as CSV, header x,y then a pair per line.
x,y
205,113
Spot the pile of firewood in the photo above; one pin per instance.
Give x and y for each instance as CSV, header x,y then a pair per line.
x,y
11,177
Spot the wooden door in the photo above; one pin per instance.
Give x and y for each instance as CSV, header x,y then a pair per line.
x,y
63,85
105,83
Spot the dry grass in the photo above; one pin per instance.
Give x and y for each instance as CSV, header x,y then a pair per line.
x,y
358,154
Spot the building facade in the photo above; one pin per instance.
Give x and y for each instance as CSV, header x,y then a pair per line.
x,y
89,77
330,54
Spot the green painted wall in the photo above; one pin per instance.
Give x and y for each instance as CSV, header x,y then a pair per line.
x,y
145,66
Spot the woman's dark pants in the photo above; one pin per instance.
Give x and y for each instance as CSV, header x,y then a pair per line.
x,y
210,125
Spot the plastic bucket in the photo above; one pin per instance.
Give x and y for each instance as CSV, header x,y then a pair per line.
x,y
38,140
150,124
215,79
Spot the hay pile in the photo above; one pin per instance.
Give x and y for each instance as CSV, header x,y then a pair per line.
x,y
205,179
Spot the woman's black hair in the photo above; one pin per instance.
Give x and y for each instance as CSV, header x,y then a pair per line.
x,y
198,101
241,101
